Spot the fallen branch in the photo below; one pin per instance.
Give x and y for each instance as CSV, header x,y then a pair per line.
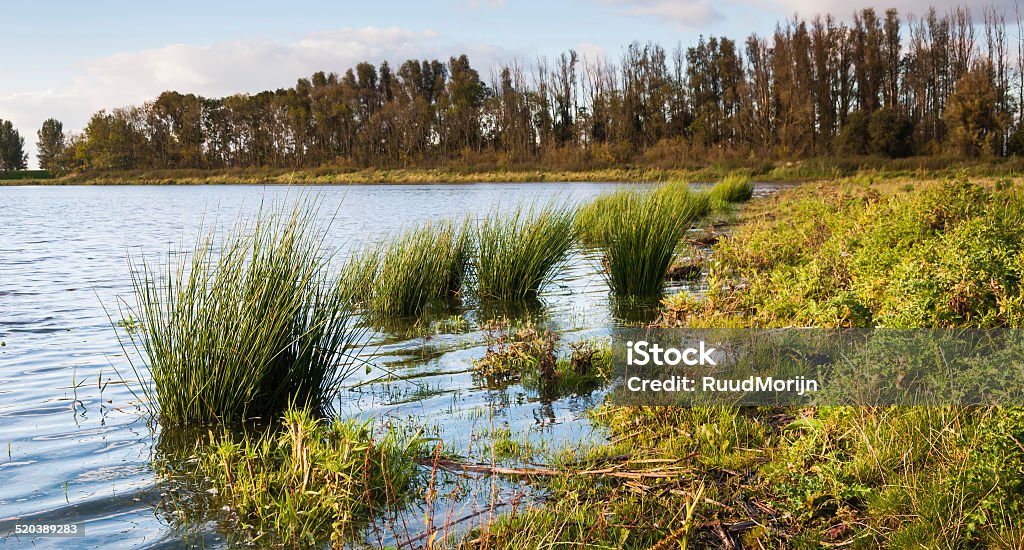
x,y
452,465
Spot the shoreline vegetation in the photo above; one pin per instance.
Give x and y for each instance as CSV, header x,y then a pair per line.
x,y
254,337
856,252
851,253
797,171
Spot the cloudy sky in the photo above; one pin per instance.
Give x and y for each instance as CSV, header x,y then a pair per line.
x,y
68,59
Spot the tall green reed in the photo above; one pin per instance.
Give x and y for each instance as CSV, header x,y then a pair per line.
x,y
245,328
423,266
519,251
638,230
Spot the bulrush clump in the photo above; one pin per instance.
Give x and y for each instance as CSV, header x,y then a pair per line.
x,y
519,251
244,328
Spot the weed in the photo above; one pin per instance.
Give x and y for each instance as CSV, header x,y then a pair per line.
x,y
309,480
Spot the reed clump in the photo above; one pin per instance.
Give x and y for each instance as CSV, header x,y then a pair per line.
x,y
519,251
423,266
638,232
311,481
732,188
244,328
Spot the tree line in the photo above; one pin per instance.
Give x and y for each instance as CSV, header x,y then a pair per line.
x,y
881,84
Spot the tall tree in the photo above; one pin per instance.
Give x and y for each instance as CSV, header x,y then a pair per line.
x,y
12,148
51,145
971,114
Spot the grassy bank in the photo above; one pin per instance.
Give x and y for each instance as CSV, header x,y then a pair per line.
x,y
853,253
760,169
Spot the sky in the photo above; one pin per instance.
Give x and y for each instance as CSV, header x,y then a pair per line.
x,y
69,59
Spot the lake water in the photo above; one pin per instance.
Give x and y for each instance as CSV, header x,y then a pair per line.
x,y
75,447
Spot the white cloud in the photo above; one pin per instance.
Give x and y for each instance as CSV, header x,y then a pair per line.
x,y
591,52
223,69
684,14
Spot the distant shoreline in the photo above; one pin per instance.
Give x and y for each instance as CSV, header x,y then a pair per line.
x,y
798,171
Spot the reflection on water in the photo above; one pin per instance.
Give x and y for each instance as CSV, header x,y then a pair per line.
x,y
74,445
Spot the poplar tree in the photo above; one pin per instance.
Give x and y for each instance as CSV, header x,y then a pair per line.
x,y
51,145
12,148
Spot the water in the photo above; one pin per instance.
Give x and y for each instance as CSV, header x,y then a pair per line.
x,y
74,444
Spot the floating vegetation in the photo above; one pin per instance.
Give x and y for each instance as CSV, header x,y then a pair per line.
x,y
310,481
513,350
524,353
245,328
518,252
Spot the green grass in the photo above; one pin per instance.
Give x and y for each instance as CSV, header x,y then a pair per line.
x,y
310,481
732,188
423,266
518,251
638,232
244,328
856,254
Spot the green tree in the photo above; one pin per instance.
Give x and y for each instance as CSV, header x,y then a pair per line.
x,y
855,135
51,145
891,133
12,148
971,114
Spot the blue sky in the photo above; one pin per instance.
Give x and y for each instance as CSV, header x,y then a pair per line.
x,y
68,59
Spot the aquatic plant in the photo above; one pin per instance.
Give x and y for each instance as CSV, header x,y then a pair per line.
x,y
638,232
517,252
525,353
311,480
424,265
244,328
514,350
732,188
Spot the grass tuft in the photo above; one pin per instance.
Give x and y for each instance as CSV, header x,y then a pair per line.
x,y
638,232
242,329
732,188
424,266
518,252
